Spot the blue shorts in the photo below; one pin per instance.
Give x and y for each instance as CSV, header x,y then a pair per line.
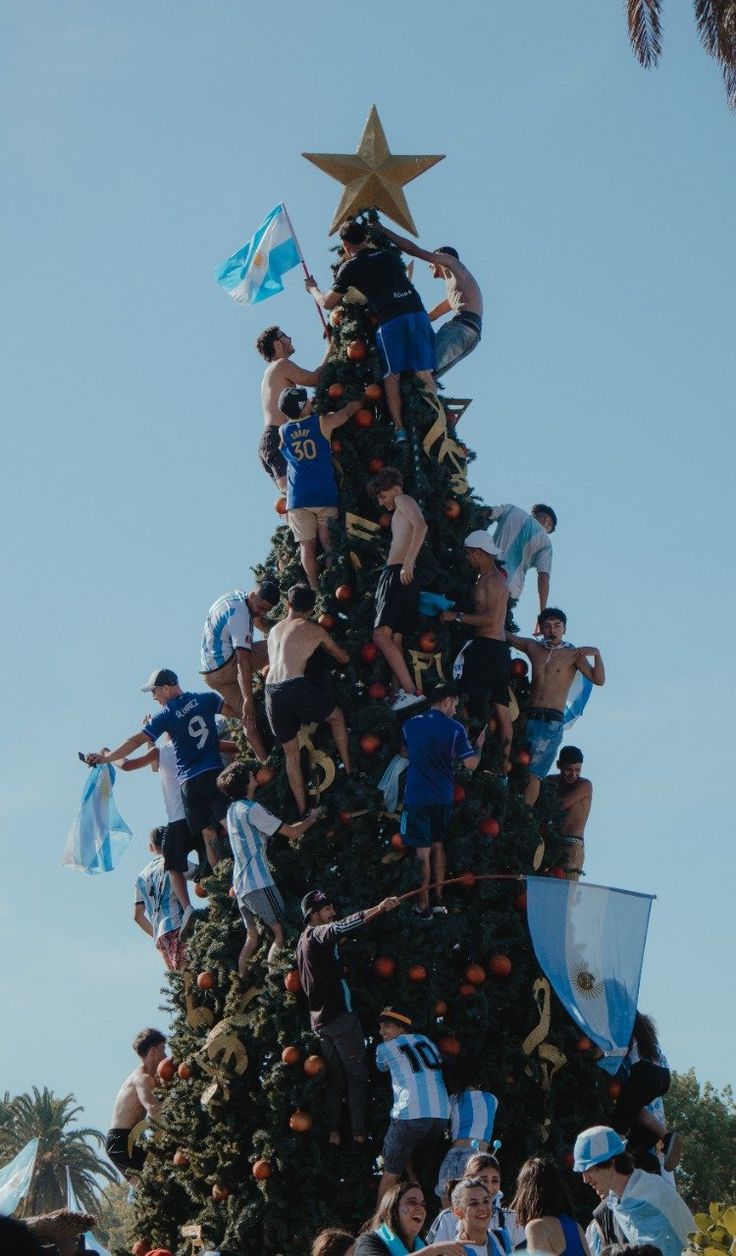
x,y
406,343
423,826
544,738
452,1168
403,1136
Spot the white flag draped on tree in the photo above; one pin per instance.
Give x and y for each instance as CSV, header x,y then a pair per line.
x,y
589,941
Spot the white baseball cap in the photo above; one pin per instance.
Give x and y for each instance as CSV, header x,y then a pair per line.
x,y
482,541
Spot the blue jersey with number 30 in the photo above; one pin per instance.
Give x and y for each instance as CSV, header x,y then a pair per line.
x,y
310,478
189,720
415,1065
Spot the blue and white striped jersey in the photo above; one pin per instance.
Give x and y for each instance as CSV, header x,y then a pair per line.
x,y
249,827
228,627
161,906
415,1065
472,1113
523,544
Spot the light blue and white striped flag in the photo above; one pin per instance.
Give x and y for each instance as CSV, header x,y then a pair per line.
x,y
589,941
651,1211
15,1178
99,835
256,271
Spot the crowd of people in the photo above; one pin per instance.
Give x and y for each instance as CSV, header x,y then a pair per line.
x,y
212,807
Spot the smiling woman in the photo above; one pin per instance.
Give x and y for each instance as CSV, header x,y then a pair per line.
x,y
395,1225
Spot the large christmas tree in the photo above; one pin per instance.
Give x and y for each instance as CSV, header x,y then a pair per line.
x,y
241,1151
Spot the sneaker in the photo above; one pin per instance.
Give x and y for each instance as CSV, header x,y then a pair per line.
x,y
672,1150
422,913
404,700
439,909
188,921
400,436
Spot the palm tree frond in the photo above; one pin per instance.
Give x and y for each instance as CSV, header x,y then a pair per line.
x,y
645,30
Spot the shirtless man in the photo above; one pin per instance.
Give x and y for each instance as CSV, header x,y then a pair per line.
x,y
291,699
276,347
554,664
482,666
135,1101
574,799
397,592
464,301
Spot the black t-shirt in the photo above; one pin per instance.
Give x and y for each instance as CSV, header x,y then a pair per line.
x,y
379,274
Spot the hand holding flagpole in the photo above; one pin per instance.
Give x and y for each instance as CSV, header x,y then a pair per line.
x,y
307,272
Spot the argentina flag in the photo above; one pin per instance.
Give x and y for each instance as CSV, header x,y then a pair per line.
x,y
255,272
16,1177
577,699
589,941
99,836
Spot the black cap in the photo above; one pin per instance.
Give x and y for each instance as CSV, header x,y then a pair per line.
x,y
292,402
269,591
164,676
313,901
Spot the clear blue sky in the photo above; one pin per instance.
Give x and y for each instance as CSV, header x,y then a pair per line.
x,y
141,143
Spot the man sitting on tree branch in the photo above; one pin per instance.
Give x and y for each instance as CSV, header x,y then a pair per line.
x,y
460,334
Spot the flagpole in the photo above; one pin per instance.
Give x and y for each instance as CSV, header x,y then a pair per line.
x,y
304,266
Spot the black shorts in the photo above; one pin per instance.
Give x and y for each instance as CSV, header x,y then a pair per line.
x,y
204,806
269,451
177,843
292,703
116,1146
485,675
397,604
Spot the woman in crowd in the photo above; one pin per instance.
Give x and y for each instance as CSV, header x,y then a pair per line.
x,y
543,1207
393,1230
484,1166
472,1205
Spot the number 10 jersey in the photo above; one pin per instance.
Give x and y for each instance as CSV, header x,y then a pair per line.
x,y
415,1065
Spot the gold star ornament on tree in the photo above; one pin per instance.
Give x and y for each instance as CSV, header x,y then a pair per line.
x,y
374,177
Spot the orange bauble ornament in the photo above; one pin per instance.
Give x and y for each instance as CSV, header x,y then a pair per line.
x,y
467,990
440,1008
184,1071
343,592
417,972
357,351
449,1046
613,1088
377,691
206,981
519,668
369,652
458,794
336,447
327,621
452,510
200,890
499,965
397,841
220,1193
558,873
467,880
489,827
427,642
523,758
335,390
293,981
262,1169
300,1122
363,418
181,1159
166,1070
384,966
336,316
264,776
373,392
291,1055
584,1044
475,974
375,465
314,1065
280,505
370,743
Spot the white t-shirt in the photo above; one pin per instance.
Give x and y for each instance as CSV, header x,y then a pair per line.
x,y
170,786
523,544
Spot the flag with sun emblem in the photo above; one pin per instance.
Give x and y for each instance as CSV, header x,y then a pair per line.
x,y
255,271
99,835
589,941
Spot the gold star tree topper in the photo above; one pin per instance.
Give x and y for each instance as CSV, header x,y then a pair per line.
x,y
374,177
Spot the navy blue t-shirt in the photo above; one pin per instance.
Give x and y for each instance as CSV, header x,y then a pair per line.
x,y
434,742
190,722
310,477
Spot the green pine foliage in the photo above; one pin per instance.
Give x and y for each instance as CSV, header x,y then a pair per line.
x,y
545,1098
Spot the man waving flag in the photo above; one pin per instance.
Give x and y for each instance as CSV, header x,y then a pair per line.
x,y
256,271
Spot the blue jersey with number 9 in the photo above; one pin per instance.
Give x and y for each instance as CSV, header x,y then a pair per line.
x,y
310,478
189,720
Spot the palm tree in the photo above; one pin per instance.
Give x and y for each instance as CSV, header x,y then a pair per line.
x,y
61,1150
716,23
